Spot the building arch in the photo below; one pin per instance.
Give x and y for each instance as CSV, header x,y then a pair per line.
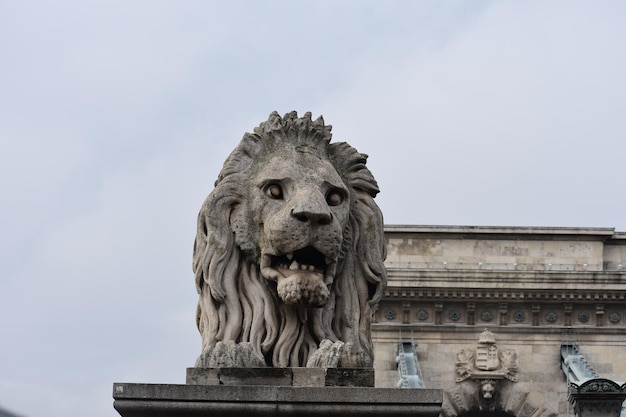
x,y
465,399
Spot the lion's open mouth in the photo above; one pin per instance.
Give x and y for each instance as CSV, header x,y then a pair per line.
x,y
303,276
307,259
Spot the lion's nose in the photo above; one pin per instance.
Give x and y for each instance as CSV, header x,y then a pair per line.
x,y
316,218
312,210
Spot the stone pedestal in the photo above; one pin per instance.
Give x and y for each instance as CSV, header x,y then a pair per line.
x,y
297,392
290,377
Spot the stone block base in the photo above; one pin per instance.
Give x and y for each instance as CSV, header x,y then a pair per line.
x,y
160,400
289,377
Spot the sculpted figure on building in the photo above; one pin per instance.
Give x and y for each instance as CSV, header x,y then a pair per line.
x,y
486,360
486,381
289,252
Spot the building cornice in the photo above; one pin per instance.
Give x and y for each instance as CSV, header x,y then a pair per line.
x,y
390,331
512,280
504,295
506,285
596,233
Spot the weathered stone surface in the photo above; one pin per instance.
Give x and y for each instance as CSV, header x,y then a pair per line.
x,y
289,252
240,376
203,376
309,377
349,377
296,377
143,400
598,397
529,285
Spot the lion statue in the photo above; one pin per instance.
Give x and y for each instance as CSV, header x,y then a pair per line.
x,y
289,252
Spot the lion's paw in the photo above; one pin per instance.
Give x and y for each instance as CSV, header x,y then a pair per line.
x,y
338,355
229,354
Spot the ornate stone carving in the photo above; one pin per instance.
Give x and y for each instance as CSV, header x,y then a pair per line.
x,y
487,394
597,385
615,317
551,317
597,397
454,315
486,382
486,316
486,361
289,252
519,316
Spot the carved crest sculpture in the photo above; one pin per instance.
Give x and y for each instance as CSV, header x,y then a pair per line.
x,y
484,381
289,252
487,360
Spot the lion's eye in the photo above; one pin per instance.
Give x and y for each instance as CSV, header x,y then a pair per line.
x,y
274,191
334,198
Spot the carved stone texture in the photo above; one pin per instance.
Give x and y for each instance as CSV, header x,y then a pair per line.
x,y
583,317
615,317
599,315
289,252
438,313
422,315
296,377
486,361
568,315
597,397
486,382
493,397
504,311
406,313
150,400
536,311
471,312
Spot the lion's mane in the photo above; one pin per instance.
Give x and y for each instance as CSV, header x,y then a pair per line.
x,y
237,304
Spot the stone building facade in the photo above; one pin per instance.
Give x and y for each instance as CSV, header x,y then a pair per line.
x,y
535,290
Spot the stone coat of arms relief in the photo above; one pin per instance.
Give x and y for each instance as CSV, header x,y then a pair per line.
x,y
487,381
486,360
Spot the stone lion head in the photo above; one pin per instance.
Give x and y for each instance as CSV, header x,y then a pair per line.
x,y
289,252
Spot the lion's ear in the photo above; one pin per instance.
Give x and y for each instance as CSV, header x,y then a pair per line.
x,y
351,165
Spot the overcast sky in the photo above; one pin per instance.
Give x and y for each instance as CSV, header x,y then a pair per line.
x,y
116,116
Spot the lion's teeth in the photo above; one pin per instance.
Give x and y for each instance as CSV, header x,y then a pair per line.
x,y
294,266
289,256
